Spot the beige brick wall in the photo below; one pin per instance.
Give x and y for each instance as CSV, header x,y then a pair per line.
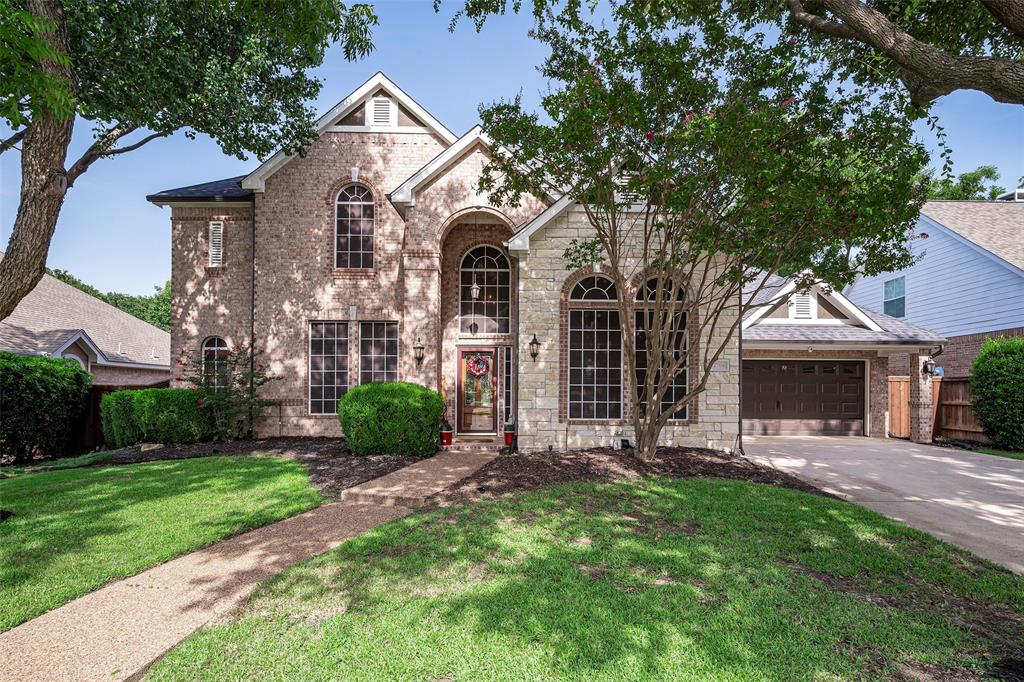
x,y
878,378
542,274
105,375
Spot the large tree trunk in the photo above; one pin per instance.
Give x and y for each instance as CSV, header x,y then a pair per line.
x,y
43,182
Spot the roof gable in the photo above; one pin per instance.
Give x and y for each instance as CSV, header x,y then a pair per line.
x,y
338,119
997,227
405,193
852,314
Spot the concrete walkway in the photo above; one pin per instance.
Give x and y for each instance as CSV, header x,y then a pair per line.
x,y
970,499
117,632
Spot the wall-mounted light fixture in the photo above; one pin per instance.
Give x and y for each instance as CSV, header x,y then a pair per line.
x,y
417,351
928,367
534,348
474,291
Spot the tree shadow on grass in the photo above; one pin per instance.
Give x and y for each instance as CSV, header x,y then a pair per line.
x,y
660,579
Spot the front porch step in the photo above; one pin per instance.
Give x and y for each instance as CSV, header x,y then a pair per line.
x,y
411,486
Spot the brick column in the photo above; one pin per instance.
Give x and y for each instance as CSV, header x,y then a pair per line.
x,y
920,401
878,384
421,317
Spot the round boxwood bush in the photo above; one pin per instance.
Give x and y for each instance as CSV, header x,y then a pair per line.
x,y
154,415
997,383
41,399
393,418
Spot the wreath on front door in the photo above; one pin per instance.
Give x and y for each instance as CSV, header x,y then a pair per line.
x,y
478,365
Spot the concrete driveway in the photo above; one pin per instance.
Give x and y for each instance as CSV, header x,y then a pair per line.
x,y
973,500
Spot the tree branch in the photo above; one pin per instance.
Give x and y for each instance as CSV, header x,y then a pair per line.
x,y
1009,13
819,24
104,147
13,139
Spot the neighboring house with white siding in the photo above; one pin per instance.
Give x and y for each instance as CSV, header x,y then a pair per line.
x,y
967,284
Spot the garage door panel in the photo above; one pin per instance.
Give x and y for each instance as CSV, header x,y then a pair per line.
x,y
803,397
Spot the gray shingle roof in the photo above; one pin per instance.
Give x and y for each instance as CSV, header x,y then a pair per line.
x,y
228,189
54,311
996,226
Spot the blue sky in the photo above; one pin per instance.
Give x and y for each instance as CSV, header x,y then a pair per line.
x,y
111,237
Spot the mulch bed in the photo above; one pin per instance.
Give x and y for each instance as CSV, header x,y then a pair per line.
x,y
509,473
330,465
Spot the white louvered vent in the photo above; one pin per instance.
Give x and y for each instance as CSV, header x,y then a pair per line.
x,y
216,243
380,112
803,307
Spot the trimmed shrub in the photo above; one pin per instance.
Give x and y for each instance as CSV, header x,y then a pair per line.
x,y
393,418
154,415
41,400
997,383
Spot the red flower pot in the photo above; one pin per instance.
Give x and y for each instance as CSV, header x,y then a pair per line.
x,y
446,438
509,435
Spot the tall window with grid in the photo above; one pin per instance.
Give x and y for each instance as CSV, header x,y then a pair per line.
x,y
328,365
378,351
644,321
484,272
353,228
215,355
595,351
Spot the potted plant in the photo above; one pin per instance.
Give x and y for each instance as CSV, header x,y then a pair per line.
x,y
446,433
510,433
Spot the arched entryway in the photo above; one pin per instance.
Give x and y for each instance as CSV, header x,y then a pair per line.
x,y
478,323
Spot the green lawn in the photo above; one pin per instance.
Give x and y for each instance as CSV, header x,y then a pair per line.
x,y
77,529
998,453
667,579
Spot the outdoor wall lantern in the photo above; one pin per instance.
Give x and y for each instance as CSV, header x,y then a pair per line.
x,y
534,348
928,367
417,350
474,291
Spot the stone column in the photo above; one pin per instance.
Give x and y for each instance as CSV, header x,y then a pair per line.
x,y
920,401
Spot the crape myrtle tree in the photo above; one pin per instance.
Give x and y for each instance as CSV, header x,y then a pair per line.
x,y
140,70
706,161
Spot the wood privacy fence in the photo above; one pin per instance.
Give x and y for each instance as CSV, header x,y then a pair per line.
x,y
952,416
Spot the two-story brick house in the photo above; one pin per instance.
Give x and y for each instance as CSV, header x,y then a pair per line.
x,y
373,257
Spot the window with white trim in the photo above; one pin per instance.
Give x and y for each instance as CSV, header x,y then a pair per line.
x,y
894,297
677,333
484,271
215,368
328,365
595,351
353,228
216,244
378,351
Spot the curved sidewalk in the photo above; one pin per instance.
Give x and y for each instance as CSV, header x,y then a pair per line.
x,y
118,631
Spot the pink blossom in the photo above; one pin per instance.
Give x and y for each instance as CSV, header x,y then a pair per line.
x,y
689,117
648,135
788,102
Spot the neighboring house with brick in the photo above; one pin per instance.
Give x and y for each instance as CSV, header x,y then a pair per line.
x,y
968,281
373,257
59,320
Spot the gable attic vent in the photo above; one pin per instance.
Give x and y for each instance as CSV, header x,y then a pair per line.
x,y
802,307
216,243
380,112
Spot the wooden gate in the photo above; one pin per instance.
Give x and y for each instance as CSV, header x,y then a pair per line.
x,y
952,416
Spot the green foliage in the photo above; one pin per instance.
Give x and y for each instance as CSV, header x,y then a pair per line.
x,y
117,416
155,415
26,91
155,308
41,400
997,384
236,70
230,394
391,418
976,184
76,530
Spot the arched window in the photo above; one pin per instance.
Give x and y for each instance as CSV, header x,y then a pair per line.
x,y
353,228
595,351
484,292
594,288
215,355
676,319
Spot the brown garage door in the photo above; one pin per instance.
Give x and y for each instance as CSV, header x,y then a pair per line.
x,y
803,397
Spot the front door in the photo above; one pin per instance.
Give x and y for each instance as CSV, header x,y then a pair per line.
x,y
478,394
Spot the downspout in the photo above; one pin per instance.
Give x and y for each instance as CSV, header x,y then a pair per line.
x,y
252,319
739,407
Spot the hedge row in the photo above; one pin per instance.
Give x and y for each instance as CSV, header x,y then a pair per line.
x,y
41,399
392,418
997,384
154,415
